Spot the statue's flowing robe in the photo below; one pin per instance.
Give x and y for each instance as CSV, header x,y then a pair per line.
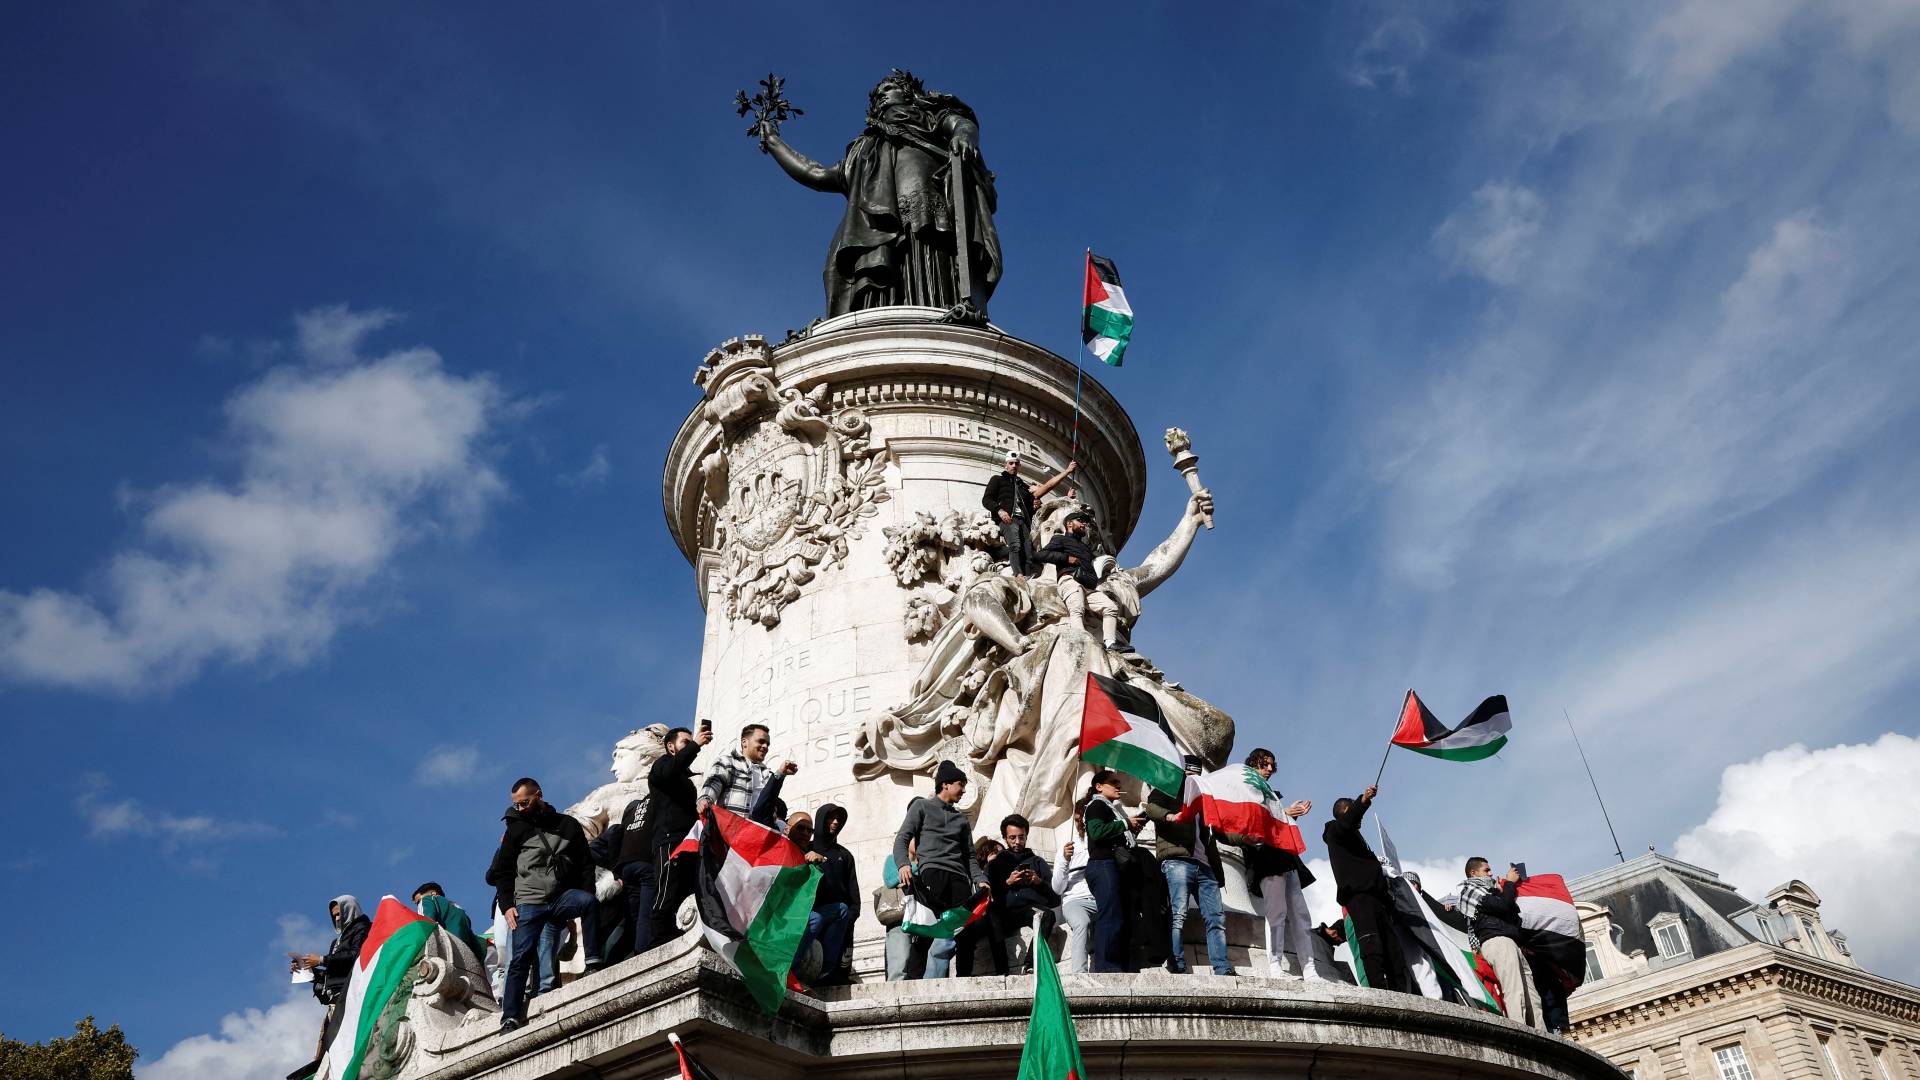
x,y
896,243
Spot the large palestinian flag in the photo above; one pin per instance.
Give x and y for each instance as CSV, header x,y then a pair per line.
x,y
1457,972
1238,800
1480,735
1106,323
1053,1047
1121,728
379,976
1550,927
755,891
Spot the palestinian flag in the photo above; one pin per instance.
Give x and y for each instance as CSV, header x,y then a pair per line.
x,y
1459,975
755,891
1480,735
379,978
924,921
1550,928
1106,324
690,1068
1053,1048
1237,800
1121,728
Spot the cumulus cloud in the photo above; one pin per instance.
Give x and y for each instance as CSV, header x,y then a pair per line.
x,y
1845,820
109,818
344,459
447,766
1493,237
253,1044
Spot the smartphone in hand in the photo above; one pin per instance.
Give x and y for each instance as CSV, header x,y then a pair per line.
x,y
1522,867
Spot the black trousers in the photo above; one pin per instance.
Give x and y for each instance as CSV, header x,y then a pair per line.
x,y
941,890
1019,544
673,883
1377,944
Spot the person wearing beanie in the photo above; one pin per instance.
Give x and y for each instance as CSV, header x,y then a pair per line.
x,y
1010,500
940,869
1079,581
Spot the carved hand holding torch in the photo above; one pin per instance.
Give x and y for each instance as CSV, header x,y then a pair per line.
x,y
1188,462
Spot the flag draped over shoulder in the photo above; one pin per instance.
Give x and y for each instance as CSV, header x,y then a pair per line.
x,y
379,976
1106,320
1053,1047
1461,975
1121,728
754,891
1550,927
1238,800
1480,735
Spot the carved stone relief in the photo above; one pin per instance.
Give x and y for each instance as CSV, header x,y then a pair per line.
x,y
789,485
937,559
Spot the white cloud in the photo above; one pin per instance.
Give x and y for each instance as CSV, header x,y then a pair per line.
x,y
594,473
1493,237
109,818
1843,819
344,460
300,934
253,1044
1386,58
447,766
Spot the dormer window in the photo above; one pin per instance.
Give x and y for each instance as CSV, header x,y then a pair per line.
x,y
1811,938
1669,936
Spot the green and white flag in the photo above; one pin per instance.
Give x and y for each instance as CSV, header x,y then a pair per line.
x,y
1053,1047
379,976
1106,323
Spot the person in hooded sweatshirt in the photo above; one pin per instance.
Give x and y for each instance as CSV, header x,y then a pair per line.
x,y
1362,890
332,972
837,901
542,875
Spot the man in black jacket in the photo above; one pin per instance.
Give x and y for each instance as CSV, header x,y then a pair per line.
x,y
542,875
1492,909
1362,890
332,972
1010,500
1022,884
1079,582
673,797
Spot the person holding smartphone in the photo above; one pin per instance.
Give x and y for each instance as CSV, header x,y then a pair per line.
x,y
1492,909
670,790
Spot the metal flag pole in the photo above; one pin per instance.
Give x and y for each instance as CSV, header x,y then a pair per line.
x,y
1396,727
1604,816
1079,372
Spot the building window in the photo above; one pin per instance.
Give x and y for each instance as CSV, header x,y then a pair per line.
x,y
1833,1063
1594,974
1880,1062
1732,1061
1811,939
1670,939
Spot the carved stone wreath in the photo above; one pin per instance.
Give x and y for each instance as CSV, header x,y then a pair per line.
x,y
937,558
785,492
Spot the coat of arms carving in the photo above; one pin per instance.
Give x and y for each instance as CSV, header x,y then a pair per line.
x,y
789,485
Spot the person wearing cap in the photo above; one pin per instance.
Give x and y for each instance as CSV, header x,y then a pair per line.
x,y
934,851
1010,500
1079,581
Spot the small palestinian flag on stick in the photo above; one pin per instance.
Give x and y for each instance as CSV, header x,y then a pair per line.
x,y
1106,324
690,1067
1121,728
1480,735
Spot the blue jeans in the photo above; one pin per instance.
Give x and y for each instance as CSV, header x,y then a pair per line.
x,y
1111,948
638,878
538,931
1186,877
829,923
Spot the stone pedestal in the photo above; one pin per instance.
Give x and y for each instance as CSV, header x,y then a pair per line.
x,y
1153,1026
781,487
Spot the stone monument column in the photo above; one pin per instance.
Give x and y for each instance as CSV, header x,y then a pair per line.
x,y
827,493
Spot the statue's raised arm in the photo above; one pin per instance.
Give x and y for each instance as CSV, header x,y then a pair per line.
x,y
918,228
1165,558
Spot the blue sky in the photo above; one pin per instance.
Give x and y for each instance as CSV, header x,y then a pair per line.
x,y
1561,352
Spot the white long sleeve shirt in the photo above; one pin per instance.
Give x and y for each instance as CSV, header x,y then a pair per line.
x,y
1070,875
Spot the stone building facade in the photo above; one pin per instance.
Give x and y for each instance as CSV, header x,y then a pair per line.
x,y
1688,978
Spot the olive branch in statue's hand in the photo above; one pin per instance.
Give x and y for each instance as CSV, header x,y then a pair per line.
x,y
770,108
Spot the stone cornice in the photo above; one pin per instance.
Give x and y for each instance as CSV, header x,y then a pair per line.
x,y
1623,1004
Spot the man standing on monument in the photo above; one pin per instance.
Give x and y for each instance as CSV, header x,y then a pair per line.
x,y
1190,862
901,239
1362,890
1079,582
1010,500
739,781
934,851
670,790
1277,877
542,875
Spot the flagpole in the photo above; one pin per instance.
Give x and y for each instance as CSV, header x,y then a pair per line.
x,y
1604,816
1079,372
1396,727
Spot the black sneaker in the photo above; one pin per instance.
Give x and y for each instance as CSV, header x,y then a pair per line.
x,y
510,1024
595,964
1114,646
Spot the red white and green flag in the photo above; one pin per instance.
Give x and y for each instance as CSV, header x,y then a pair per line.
x,y
1480,735
1238,800
924,921
1121,728
1459,974
690,1067
1106,323
1053,1047
379,976
754,892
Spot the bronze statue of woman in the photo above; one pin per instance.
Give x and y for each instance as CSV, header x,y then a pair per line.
x,y
916,187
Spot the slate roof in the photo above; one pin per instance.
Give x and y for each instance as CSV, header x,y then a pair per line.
x,y
1642,889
